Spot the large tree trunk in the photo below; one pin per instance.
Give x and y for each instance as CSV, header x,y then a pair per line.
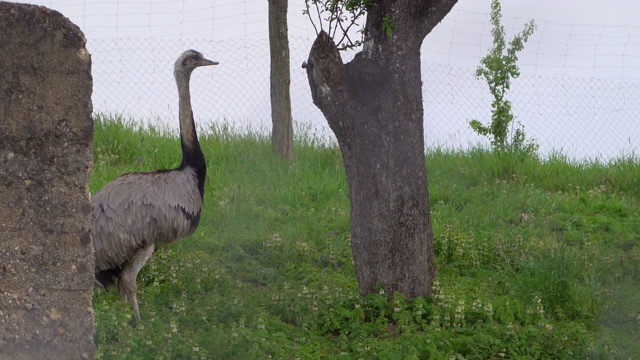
x,y
374,106
282,130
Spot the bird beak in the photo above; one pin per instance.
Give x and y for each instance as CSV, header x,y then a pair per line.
x,y
207,62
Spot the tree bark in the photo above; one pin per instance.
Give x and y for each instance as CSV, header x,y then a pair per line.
x,y
373,104
282,130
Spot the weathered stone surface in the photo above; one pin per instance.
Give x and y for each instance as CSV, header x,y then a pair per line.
x,y
46,132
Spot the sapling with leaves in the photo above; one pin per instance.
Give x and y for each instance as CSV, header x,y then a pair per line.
x,y
497,68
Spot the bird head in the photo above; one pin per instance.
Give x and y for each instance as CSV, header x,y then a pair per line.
x,y
190,60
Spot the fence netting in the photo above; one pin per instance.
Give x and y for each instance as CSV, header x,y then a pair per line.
x,y
578,93
581,117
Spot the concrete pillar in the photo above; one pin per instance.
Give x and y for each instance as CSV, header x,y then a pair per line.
x,y
46,133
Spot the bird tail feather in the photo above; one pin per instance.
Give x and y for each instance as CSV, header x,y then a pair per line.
x,y
106,278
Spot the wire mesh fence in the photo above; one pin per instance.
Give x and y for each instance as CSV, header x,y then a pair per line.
x,y
139,84
579,91
581,117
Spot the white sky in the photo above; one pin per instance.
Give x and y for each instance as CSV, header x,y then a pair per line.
x,y
111,18
465,29
133,44
578,12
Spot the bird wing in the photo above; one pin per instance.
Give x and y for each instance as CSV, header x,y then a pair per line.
x,y
137,209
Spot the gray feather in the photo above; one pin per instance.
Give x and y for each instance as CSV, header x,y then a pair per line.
x,y
137,209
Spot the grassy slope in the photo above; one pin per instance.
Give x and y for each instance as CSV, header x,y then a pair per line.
x,y
536,260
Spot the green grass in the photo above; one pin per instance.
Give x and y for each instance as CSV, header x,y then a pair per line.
x,y
536,259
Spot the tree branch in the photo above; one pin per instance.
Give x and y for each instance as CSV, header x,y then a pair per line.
x,y
324,70
310,18
433,12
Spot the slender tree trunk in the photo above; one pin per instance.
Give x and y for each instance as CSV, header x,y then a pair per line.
x,y
282,130
374,106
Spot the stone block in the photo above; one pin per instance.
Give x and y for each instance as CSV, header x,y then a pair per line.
x,y
46,134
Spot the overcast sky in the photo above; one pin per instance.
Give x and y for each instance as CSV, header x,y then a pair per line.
x,y
101,18
579,12
134,43
463,37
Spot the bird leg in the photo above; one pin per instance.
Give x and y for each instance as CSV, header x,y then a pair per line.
x,y
127,284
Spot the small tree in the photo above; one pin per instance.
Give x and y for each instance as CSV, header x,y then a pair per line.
x,y
497,68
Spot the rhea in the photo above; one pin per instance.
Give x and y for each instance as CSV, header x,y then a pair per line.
x,y
138,211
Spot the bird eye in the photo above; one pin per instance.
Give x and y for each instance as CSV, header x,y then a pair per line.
x,y
193,59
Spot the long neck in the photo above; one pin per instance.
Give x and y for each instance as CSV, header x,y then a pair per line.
x,y
192,155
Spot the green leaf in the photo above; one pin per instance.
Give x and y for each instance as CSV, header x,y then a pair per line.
x,y
497,68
